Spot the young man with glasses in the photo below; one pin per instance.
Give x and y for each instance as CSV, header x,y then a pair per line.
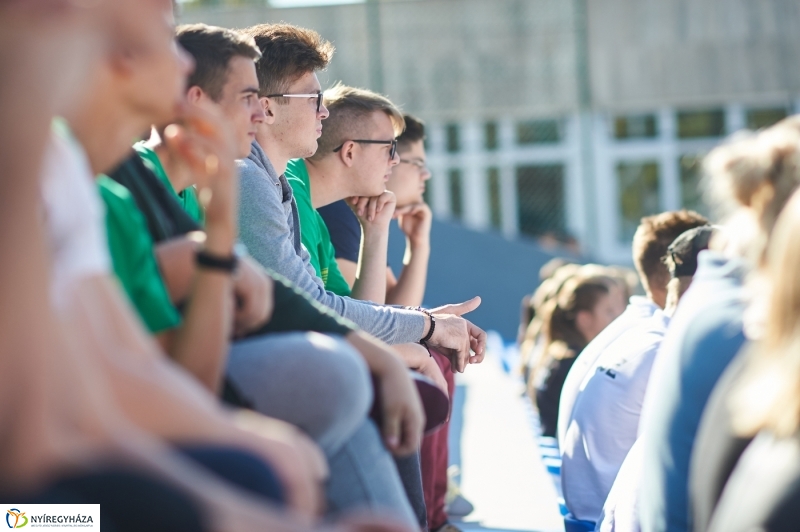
x,y
407,181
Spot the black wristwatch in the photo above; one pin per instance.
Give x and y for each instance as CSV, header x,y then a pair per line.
x,y
228,264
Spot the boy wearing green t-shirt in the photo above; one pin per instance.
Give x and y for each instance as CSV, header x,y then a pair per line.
x,y
357,150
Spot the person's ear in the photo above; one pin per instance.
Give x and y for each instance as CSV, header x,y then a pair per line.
x,y
348,154
195,95
270,111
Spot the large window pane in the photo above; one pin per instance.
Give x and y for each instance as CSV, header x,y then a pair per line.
x,y
456,200
691,183
698,124
540,197
495,207
759,118
539,132
635,127
638,195
491,141
453,138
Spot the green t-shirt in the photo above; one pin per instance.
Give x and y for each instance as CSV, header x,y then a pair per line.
x,y
187,197
313,231
132,257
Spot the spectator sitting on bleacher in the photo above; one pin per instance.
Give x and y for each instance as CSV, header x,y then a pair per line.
x,y
583,306
653,236
357,248
342,168
752,177
605,421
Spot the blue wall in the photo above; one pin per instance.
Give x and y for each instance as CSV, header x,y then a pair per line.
x,y
465,263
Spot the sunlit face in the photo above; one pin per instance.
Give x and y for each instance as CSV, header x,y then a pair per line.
x,y
295,122
606,309
239,103
158,65
408,178
372,165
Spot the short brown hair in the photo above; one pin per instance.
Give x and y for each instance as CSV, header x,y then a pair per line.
x,y
348,107
213,48
653,237
287,53
414,132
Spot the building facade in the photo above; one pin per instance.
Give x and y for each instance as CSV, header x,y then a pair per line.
x,y
563,118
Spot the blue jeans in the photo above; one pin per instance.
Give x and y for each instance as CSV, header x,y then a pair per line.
x,y
322,385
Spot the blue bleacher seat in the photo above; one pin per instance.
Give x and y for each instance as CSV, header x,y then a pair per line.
x,y
576,525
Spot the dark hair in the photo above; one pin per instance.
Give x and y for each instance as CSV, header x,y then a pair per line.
x,y
287,53
212,49
653,237
414,132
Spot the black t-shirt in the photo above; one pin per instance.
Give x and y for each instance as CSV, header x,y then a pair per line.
x,y
344,229
548,390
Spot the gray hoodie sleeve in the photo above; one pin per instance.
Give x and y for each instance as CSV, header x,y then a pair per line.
x,y
264,228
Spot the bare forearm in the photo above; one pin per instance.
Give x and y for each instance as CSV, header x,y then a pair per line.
x,y
176,261
410,287
200,345
370,284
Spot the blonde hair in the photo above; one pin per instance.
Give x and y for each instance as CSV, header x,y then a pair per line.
x,y
349,108
757,170
767,395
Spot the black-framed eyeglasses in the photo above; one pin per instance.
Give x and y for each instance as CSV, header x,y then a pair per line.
x,y
317,95
421,166
392,150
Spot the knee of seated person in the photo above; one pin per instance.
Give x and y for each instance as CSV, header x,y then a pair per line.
x,y
344,377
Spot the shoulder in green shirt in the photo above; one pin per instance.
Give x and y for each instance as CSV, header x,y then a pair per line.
x,y
313,231
187,197
133,259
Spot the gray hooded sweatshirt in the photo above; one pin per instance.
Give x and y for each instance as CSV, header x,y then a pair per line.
x,y
269,227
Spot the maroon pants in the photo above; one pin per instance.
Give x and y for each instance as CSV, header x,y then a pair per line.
x,y
433,457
